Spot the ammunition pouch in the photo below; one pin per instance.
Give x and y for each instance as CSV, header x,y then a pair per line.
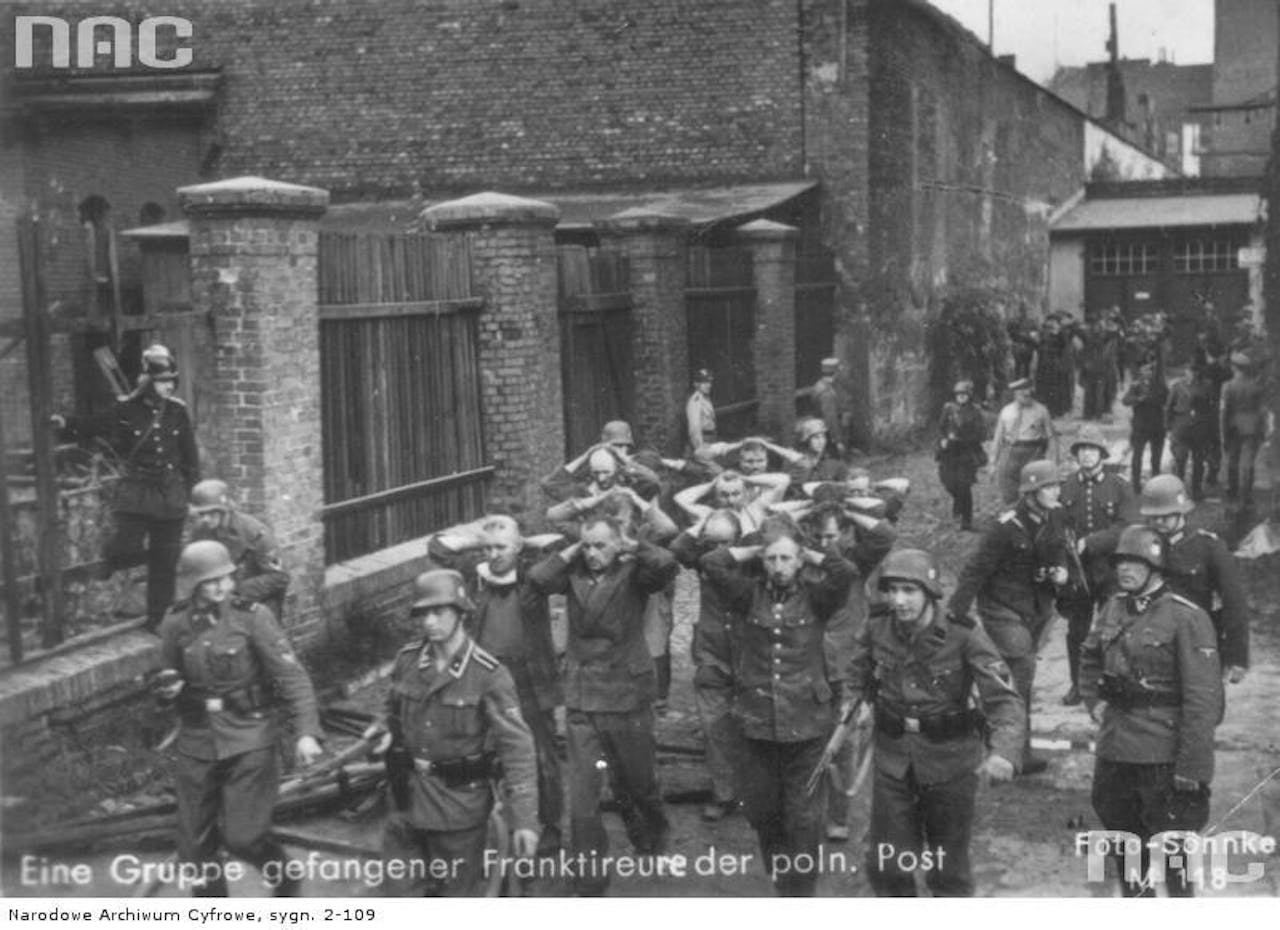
x,y
936,728
195,704
1123,693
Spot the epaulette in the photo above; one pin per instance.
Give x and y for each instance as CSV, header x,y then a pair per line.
x,y
1009,516
1185,602
411,646
177,400
487,660
1208,534
963,620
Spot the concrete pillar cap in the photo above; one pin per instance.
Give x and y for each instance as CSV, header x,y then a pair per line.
x,y
253,196
766,230
490,208
642,219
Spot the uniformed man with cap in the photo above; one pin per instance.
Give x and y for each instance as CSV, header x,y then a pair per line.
x,y
1244,425
227,663
260,575
826,401
151,432
1024,433
959,453
699,412
452,713
1199,567
916,670
1149,674
784,691
1092,500
1014,575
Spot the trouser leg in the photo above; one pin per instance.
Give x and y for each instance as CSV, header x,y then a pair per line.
x,y
126,546
1248,455
1023,670
802,815
1232,448
542,724
630,748
760,788
198,787
1079,614
586,826
947,811
164,545
1139,445
1157,453
248,799
720,735
1117,803
896,827
404,857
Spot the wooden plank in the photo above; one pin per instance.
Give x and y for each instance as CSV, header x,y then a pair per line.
x,y
8,565
409,490
374,311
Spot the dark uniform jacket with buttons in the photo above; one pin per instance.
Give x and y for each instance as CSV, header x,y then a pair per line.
x,y
537,652
259,576
1091,503
1202,569
157,446
1160,643
783,686
930,674
462,712
1002,576
711,652
236,663
609,668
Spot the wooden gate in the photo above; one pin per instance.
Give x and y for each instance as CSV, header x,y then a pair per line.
x,y
721,298
400,389
595,343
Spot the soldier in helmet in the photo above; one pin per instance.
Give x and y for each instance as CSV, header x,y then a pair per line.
x,y
451,705
915,669
1092,499
1014,575
227,662
960,453
151,432
826,401
1150,677
816,460
1199,567
260,575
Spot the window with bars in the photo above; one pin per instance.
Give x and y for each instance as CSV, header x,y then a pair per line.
x,y
1117,258
1197,255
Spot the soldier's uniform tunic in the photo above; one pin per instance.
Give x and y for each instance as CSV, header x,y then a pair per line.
x,y
260,575
1090,503
1014,601
783,700
1154,659
156,444
450,722
236,662
928,740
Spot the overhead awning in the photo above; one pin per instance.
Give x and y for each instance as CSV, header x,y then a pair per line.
x,y
1162,212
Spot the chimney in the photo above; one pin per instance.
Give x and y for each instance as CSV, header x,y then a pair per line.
x,y
1115,80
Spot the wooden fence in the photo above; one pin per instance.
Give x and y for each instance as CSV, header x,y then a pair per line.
x,y
400,389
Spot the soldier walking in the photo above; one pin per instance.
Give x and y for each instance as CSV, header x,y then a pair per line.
x,y
1024,433
226,660
1150,677
916,669
260,575
451,703
960,453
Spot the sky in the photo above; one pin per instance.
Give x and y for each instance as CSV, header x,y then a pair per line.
x,y
1046,33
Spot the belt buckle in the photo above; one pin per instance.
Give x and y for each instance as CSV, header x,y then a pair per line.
x,y
213,705
911,724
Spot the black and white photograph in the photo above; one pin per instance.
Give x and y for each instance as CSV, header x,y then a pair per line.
x,y
649,449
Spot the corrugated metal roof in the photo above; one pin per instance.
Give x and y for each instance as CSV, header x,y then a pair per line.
x,y
1162,212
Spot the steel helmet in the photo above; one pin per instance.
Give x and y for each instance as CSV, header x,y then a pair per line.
x,y
440,587
1163,495
158,363
1143,544
210,494
203,560
809,427
1036,475
963,387
617,432
1090,435
914,565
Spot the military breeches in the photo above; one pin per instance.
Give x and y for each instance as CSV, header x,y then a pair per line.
x,y
1140,799
1078,609
160,541
433,863
786,818
720,735
921,828
227,802
623,745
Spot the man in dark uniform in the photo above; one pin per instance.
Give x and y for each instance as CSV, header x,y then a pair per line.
x,y
226,659
610,684
1092,499
512,621
1244,426
1014,574
784,693
150,430
1150,677
826,403
451,703
916,670
260,575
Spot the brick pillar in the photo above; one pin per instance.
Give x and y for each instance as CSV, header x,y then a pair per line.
x,y
773,259
513,267
253,271
656,245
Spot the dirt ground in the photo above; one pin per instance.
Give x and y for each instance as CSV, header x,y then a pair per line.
x,y
1025,834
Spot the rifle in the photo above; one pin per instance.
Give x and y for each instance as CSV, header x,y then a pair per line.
x,y
849,720
1076,565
